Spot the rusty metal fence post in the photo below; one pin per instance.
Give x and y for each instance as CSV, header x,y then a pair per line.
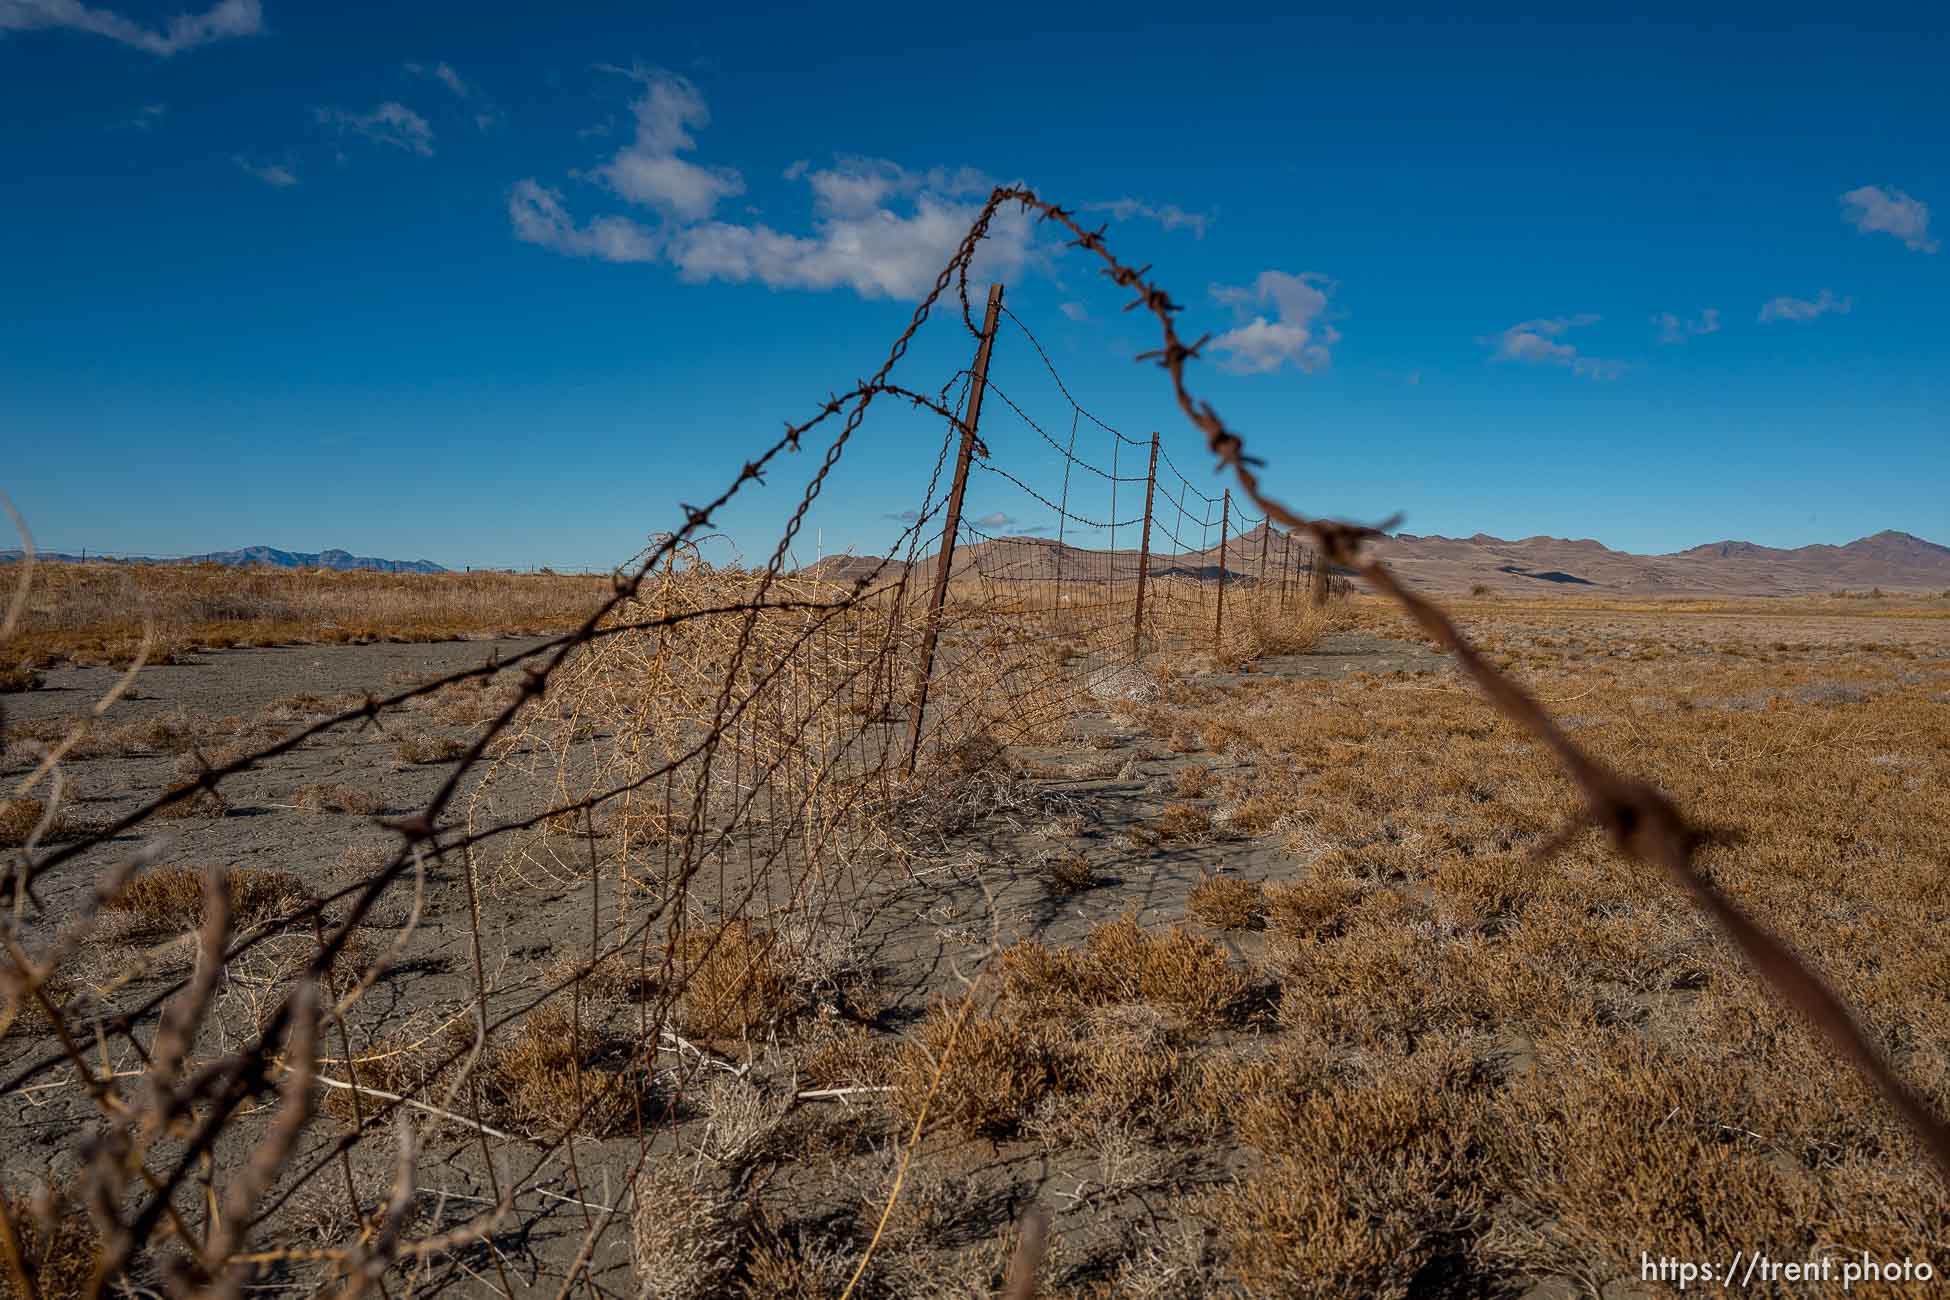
x,y
970,418
1144,552
1225,520
1259,584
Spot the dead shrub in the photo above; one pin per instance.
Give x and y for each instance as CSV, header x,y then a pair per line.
x,y
537,1080
170,899
1227,903
1182,823
203,803
19,817
851,1057
1191,782
1121,963
732,982
59,1249
169,733
1369,1181
1312,908
1068,873
329,796
998,1070
1174,969
22,678
430,749
683,1235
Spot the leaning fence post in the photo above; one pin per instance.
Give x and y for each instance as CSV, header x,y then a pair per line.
x,y
952,525
1144,551
1225,519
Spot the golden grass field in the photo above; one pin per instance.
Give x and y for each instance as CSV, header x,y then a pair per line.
x,y
1327,1025
94,613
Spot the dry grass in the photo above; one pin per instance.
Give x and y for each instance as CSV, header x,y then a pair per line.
x,y
683,1235
1000,1070
430,749
18,818
203,803
1069,873
58,1245
534,1080
92,613
330,796
23,678
733,982
1227,903
170,899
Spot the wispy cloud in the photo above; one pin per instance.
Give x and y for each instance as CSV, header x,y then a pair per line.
x,y
1298,336
1168,215
1074,310
183,32
444,74
1799,309
878,229
538,217
1874,210
1674,329
905,517
391,123
995,519
1534,342
277,175
149,116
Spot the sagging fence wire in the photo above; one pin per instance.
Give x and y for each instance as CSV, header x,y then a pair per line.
x,y
720,768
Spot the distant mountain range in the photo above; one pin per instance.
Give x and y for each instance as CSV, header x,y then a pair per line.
x,y
255,555
1894,561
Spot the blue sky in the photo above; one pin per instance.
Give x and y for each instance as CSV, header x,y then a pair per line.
x,y
504,284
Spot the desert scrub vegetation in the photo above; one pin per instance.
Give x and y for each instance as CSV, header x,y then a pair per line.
x,y
335,797
1227,902
93,613
169,899
59,1251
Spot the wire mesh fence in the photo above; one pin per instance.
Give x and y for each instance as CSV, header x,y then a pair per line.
x,y
711,780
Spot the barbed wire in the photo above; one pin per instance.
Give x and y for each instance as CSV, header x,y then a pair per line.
x,y
797,664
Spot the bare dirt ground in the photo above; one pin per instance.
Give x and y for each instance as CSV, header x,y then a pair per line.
x,y
1392,1055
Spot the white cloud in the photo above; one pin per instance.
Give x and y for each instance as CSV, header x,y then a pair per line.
x,y
995,520
1074,310
184,32
391,123
148,116
878,229
649,172
878,252
1170,215
1786,308
1534,342
1673,329
1872,209
1299,336
276,175
538,217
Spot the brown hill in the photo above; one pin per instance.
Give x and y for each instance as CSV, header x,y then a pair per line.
x,y
1894,561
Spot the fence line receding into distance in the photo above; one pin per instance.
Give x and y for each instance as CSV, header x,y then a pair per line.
x,y
723,764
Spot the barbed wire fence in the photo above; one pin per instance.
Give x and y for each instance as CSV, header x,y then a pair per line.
x,y
715,773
